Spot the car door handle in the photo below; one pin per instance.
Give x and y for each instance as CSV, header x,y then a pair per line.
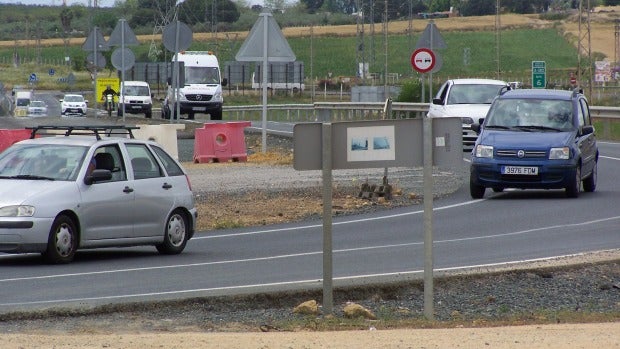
x,y
166,186
128,190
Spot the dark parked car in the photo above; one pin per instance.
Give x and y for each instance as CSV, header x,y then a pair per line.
x,y
535,139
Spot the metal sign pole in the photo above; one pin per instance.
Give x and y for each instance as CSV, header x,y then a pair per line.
x,y
122,67
177,93
265,63
328,297
96,66
427,125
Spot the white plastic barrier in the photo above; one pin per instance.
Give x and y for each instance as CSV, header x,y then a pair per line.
x,y
164,134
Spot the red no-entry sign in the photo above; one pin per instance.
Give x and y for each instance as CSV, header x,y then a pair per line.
x,y
423,60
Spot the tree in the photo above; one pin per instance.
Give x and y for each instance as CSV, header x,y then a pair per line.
x,y
440,5
66,16
199,11
275,4
312,5
478,7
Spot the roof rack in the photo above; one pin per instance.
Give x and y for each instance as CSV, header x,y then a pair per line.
x,y
107,130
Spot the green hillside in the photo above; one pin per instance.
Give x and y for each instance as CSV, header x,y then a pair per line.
x,y
469,54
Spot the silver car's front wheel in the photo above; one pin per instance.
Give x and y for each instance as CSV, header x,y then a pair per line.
x,y
62,241
175,237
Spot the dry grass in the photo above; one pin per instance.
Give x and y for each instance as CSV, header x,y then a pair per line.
x,y
602,29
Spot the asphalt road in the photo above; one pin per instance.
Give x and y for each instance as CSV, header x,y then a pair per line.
x,y
500,229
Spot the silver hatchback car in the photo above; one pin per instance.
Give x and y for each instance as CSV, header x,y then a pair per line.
x,y
92,187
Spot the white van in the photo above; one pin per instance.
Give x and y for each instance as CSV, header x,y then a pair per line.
x,y
135,98
201,90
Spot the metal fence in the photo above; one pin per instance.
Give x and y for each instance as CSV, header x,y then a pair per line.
x,y
605,118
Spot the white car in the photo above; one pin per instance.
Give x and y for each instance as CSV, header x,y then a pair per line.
x,y
468,99
37,108
91,188
73,104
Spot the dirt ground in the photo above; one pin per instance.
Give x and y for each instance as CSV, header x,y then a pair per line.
x,y
562,336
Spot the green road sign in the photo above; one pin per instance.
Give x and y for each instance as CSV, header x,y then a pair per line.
x,y
539,74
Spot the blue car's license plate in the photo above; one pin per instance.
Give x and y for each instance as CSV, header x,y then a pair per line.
x,y
520,170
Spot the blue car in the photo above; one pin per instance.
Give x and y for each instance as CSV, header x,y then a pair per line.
x,y
535,139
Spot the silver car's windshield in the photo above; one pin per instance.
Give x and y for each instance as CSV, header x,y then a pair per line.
x,y
42,161
531,114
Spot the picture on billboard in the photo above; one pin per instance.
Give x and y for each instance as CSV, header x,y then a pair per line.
x,y
371,143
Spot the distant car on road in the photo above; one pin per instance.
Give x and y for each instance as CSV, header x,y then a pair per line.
x,y
468,99
37,108
62,193
73,104
535,139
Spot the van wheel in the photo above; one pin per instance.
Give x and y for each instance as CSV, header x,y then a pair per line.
x,y
216,115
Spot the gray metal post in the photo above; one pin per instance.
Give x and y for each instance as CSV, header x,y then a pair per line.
x,y
265,60
122,64
96,68
428,217
326,151
177,94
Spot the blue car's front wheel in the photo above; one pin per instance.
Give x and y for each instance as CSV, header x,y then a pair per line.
x,y
574,187
475,190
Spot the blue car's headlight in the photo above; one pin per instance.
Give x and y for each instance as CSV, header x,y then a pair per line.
x,y
559,153
483,151
17,211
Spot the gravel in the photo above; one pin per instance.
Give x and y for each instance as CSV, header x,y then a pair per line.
x,y
587,290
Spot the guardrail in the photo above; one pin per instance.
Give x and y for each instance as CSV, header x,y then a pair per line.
x,y
604,117
335,111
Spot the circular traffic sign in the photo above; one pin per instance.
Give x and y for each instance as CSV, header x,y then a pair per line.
x,y
177,31
423,60
123,58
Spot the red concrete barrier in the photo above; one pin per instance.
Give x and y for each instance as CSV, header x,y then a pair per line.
x,y
10,137
220,142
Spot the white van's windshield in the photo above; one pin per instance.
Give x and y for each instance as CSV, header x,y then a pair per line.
x,y
202,75
136,91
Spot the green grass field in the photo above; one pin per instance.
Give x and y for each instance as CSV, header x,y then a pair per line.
x,y
469,54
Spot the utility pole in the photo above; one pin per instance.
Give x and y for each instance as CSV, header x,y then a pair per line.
x,y
498,37
584,69
385,46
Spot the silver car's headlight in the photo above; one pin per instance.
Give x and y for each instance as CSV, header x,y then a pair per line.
x,y
559,153
484,151
17,211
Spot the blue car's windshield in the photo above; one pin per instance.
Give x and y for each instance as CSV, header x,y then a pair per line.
x,y
42,161
530,115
